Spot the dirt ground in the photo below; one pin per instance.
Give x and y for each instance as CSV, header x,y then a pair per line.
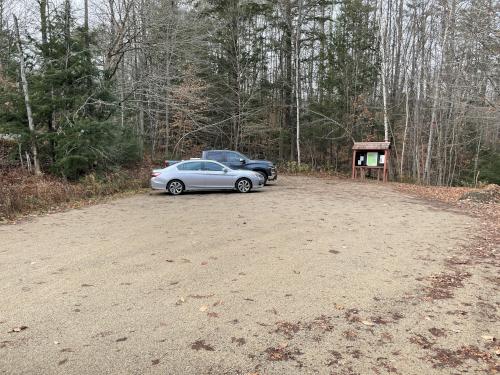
x,y
307,276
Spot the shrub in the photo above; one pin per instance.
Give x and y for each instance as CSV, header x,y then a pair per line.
x,y
92,146
22,193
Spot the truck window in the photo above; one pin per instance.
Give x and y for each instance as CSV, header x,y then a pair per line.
x,y
217,156
233,157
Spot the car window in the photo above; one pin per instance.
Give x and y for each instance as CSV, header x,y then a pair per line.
x,y
191,166
216,155
213,167
233,157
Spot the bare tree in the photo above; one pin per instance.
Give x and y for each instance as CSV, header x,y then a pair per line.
x,y
29,113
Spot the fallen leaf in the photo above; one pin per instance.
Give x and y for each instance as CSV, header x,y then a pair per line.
x,y
367,323
62,362
155,362
203,308
488,338
18,329
201,344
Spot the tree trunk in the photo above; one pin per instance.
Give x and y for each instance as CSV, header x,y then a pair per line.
x,y
383,35
288,84
297,77
407,110
24,82
435,101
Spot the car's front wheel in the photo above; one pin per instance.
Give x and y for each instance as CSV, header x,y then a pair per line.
x,y
175,187
243,185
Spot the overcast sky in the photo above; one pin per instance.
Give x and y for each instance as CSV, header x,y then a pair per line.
x,y
28,11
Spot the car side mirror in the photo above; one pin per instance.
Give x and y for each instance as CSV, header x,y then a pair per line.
x,y
225,170
243,161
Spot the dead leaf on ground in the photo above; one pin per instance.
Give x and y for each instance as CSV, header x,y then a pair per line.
x,y
203,308
200,296
367,323
180,301
240,341
200,344
62,362
488,338
281,353
18,329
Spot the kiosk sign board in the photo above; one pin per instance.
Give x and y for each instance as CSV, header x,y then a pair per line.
x,y
370,158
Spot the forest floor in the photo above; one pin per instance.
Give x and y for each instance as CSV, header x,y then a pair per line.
x,y
307,276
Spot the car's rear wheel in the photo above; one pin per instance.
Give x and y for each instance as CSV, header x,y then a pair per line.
x,y
243,185
175,187
264,175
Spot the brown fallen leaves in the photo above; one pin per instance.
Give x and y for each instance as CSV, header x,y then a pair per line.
x,y
440,193
442,285
453,358
287,329
282,353
239,341
202,345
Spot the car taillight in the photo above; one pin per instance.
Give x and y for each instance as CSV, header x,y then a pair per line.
x,y
155,174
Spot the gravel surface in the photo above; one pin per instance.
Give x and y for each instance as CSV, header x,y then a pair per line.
x,y
307,276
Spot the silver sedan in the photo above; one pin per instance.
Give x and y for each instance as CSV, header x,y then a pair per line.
x,y
198,175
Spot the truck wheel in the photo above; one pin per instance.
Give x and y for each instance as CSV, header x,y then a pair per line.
x,y
263,174
175,187
243,185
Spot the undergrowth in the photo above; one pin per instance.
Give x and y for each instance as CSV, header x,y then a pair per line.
x,y
22,193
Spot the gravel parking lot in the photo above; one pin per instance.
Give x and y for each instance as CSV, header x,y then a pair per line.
x,y
306,276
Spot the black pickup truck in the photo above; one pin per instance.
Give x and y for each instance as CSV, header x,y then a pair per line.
x,y
236,160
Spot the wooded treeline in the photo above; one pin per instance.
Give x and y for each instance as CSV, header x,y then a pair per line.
x,y
289,80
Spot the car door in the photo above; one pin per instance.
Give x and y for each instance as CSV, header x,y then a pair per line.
x,y
217,176
192,174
